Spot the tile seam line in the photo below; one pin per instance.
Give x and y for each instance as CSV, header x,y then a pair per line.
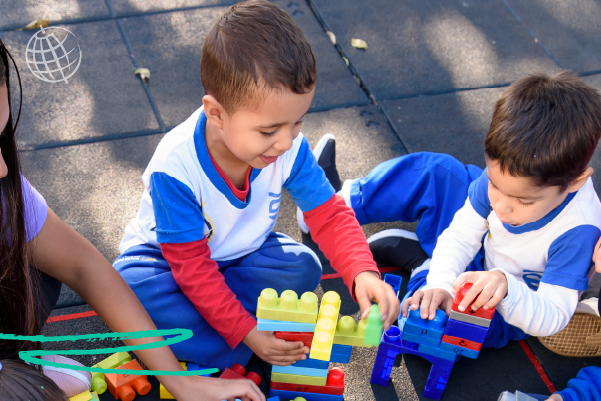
x,y
517,17
130,15
362,84
130,50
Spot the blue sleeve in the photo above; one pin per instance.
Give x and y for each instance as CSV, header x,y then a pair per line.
x,y
570,258
178,215
478,195
586,386
307,183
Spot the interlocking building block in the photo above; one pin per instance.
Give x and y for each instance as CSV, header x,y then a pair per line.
x,y
298,379
466,331
391,346
394,281
292,395
414,338
437,352
349,333
334,385
125,386
194,366
295,370
118,359
462,342
238,372
456,349
279,325
276,398
306,338
287,307
312,363
321,347
342,349
481,312
339,358
425,327
374,326
85,396
462,317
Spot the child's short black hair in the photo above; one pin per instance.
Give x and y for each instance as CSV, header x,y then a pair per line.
x,y
255,45
545,128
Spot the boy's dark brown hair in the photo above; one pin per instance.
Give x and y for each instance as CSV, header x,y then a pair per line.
x,y
255,45
545,128
21,382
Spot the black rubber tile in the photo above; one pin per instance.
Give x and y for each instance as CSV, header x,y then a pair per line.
x,y
18,13
418,47
103,96
570,31
170,45
560,369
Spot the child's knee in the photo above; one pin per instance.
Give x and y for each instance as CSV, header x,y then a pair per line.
x,y
308,274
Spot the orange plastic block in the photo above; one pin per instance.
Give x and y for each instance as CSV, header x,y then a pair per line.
x,y
124,386
462,342
238,372
481,312
288,307
323,339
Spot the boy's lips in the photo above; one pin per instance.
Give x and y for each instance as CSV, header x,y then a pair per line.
x,y
268,159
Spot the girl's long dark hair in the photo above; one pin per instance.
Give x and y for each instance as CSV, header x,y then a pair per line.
x,y
19,282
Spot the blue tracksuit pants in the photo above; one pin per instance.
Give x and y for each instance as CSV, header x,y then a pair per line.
x,y
428,188
281,263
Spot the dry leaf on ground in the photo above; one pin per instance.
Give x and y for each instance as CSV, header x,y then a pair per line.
x,y
38,23
331,36
144,73
359,43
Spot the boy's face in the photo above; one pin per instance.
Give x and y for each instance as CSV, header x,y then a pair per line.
x,y
259,136
516,200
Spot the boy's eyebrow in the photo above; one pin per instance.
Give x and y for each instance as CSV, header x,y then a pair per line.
x,y
533,198
278,124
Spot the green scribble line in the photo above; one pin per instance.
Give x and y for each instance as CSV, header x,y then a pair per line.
x,y
180,335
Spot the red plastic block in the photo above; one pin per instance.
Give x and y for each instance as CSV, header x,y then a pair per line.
x,y
124,387
306,338
483,313
462,342
334,385
237,372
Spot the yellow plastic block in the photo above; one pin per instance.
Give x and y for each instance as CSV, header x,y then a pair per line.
x,y
323,339
163,393
95,394
113,361
350,333
298,379
85,396
288,307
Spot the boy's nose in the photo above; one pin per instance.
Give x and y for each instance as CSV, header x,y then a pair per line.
x,y
284,142
503,207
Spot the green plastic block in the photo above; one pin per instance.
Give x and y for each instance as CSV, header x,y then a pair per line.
x,y
374,327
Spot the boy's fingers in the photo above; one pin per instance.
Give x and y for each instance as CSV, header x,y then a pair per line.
x,y
425,306
494,301
283,345
364,303
406,306
485,295
462,279
437,299
471,295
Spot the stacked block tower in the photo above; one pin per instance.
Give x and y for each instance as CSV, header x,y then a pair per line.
x,y
442,341
330,340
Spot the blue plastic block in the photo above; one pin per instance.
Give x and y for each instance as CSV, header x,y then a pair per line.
x,y
293,370
276,398
424,327
291,395
437,352
337,358
278,325
467,331
391,346
342,349
312,363
194,366
414,338
456,349
394,281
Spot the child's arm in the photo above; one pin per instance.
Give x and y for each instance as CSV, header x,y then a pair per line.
x,y
62,253
586,386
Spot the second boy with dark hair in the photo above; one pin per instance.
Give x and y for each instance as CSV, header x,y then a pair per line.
x,y
523,230
201,248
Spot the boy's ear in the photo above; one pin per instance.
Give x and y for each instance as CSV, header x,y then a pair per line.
x,y
579,182
214,111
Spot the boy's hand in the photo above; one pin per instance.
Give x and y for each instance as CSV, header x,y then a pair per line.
x,y
368,287
187,388
274,350
430,300
555,397
492,287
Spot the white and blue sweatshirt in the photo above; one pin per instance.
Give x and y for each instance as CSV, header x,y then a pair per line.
x,y
546,262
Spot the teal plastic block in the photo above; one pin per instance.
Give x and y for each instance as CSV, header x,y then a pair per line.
x,y
291,395
414,338
437,352
456,349
294,370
